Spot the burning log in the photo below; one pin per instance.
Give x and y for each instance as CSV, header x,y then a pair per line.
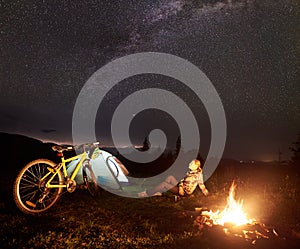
x,y
248,232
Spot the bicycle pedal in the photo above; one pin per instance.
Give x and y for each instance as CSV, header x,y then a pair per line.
x,y
83,187
29,203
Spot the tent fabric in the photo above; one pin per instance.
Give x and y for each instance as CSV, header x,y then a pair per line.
x,y
109,171
106,170
70,168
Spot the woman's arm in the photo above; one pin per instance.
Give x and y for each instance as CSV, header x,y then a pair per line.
x,y
201,185
203,189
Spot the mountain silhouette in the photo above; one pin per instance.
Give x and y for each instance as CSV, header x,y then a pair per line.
x,y
16,151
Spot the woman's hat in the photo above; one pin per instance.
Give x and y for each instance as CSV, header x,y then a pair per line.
x,y
194,165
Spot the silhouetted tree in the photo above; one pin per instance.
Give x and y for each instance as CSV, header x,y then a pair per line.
x,y
295,159
146,144
178,145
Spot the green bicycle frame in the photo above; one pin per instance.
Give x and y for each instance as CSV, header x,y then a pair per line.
x,y
62,165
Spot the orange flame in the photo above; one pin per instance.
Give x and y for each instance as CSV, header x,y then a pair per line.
x,y
233,212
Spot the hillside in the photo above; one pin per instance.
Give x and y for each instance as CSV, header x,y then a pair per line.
x,y
271,195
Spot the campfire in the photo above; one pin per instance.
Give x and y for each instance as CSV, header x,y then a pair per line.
x,y
232,222
232,214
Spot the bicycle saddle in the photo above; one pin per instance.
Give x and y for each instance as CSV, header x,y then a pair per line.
x,y
61,148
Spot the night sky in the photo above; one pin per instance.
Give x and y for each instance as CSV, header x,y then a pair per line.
x,y
248,49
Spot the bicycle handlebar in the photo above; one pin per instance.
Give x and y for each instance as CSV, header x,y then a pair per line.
x,y
84,146
61,148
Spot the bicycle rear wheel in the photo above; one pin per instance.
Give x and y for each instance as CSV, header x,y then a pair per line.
x,y
30,193
90,180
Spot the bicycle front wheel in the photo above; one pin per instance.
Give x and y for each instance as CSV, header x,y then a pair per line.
x,y
30,192
90,180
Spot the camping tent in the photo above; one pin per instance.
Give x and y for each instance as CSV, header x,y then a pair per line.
x,y
109,171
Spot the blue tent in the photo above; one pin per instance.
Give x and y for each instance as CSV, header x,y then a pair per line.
x,y
110,173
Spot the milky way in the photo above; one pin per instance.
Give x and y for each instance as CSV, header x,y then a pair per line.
x,y
248,49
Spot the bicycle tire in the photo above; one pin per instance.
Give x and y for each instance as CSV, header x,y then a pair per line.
x,y
90,180
28,187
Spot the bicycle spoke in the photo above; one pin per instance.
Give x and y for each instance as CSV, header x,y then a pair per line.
x,y
29,176
32,173
39,172
28,181
43,171
43,204
49,198
32,194
24,187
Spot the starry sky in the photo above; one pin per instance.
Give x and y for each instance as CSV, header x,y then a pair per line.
x,y
248,49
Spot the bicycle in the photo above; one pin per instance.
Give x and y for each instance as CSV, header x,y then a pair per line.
x,y
40,183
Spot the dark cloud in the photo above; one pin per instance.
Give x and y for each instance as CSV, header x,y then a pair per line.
x,y
48,130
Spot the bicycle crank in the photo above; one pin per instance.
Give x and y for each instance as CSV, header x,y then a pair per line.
x,y
45,193
71,185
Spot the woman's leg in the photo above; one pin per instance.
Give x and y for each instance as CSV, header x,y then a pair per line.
x,y
169,184
172,180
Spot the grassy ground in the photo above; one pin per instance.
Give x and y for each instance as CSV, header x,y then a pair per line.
x,y
110,221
